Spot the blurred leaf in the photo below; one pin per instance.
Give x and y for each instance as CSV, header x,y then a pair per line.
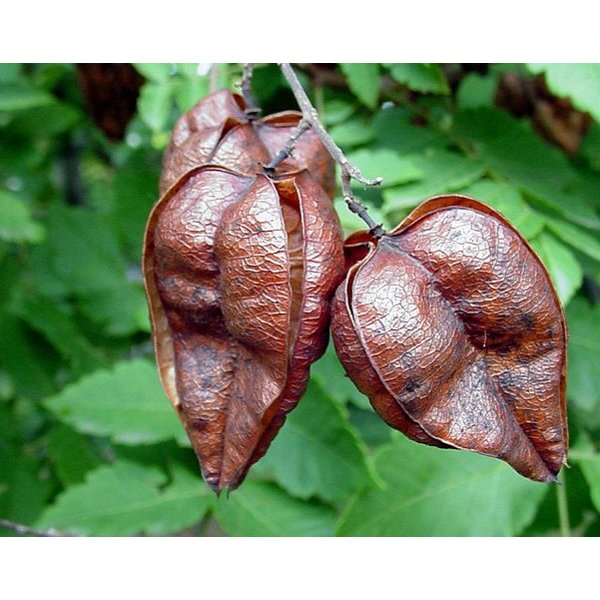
x,y
86,257
476,91
136,191
28,362
574,236
154,105
372,428
265,510
513,151
16,223
579,82
442,172
363,81
23,491
565,271
10,72
394,129
354,132
337,111
59,328
579,504
159,72
586,456
126,499
584,355
381,162
420,77
590,145
189,91
317,453
508,201
434,492
20,97
330,375
51,120
71,455
126,404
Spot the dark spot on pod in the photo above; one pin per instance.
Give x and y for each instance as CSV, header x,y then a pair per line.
x,y
505,379
411,385
527,321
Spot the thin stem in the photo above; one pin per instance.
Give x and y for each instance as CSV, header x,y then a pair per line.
x,y
349,171
252,110
289,146
563,508
359,209
213,78
26,530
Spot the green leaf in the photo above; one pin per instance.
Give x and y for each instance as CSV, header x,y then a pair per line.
x,y
354,132
16,223
574,236
84,254
58,326
565,271
442,171
330,375
476,91
508,201
154,105
421,77
9,72
189,92
579,82
71,454
363,81
30,364
588,459
584,356
435,492
381,162
317,453
136,191
126,404
51,120
337,111
23,488
126,498
264,510
512,150
19,97
159,72
394,129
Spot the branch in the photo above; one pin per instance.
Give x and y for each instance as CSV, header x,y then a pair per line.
x,y
26,530
252,110
349,171
289,146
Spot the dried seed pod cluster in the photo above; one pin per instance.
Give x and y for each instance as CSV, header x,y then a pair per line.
x,y
451,326
239,268
449,323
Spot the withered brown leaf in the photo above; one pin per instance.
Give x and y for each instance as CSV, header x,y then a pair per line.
x,y
239,273
451,325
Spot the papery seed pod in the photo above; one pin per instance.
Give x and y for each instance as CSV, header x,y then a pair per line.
x,y
451,325
217,131
239,272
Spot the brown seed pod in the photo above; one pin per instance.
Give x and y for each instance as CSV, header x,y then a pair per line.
x,y
239,273
217,131
451,325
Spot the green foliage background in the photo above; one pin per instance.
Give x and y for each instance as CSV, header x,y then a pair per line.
x,y
89,444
